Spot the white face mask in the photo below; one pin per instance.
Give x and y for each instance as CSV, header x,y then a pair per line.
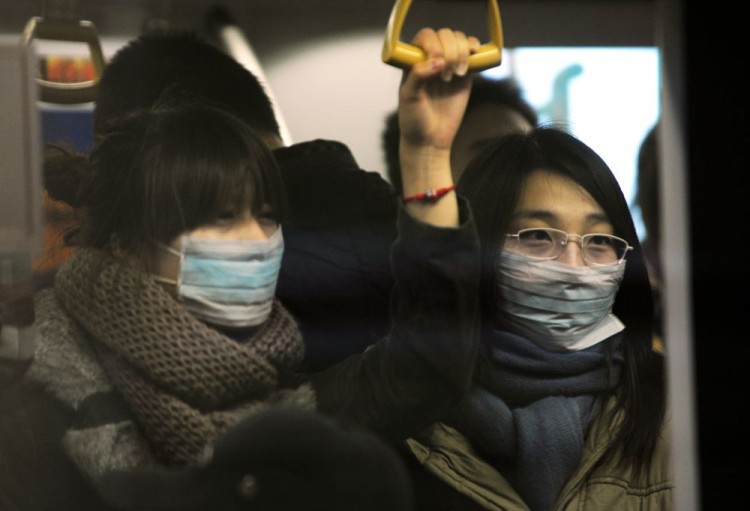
x,y
556,305
229,283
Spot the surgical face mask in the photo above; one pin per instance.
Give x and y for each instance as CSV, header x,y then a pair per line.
x,y
229,283
558,306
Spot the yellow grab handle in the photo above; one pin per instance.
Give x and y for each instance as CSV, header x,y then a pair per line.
x,y
400,54
72,31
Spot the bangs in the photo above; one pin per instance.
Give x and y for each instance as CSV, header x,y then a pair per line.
x,y
208,167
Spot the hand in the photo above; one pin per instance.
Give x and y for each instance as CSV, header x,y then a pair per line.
x,y
434,92
432,100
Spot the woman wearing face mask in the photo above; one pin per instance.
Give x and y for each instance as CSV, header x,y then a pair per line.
x,y
162,330
568,406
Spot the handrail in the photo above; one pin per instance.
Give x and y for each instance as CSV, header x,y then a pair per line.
x,y
221,25
400,54
72,31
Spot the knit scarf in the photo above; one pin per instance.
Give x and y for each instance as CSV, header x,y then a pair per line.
x,y
530,410
184,381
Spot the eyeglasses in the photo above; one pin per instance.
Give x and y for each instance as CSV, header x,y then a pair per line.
x,y
596,249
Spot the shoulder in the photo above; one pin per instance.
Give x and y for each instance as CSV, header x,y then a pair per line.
x,y
64,363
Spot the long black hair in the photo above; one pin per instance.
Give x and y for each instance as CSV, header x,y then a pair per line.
x,y
493,183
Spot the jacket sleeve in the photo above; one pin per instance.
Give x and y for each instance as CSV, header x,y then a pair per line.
x,y
338,233
408,379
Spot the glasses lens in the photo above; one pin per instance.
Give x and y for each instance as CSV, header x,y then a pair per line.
x,y
540,243
603,248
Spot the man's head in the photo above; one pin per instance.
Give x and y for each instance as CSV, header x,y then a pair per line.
x,y
496,108
141,71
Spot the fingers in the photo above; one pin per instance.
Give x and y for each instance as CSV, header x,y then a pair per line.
x,y
447,52
455,52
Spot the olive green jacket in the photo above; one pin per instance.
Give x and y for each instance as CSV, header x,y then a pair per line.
x,y
447,454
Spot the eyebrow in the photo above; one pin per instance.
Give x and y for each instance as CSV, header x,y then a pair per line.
x,y
534,214
550,217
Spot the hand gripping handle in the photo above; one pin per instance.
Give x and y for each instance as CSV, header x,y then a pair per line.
x,y
402,55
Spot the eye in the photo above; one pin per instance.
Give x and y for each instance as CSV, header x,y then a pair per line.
x,y
603,248
535,236
539,243
600,240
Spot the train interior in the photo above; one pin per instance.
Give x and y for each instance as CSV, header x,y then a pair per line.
x,y
606,69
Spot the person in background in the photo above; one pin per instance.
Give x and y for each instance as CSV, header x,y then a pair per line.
x,y
496,107
162,331
568,406
647,200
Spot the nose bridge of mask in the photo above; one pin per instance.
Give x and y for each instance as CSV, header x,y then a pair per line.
x,y
542,272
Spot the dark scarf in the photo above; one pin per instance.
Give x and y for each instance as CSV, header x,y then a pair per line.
x,y
185,382
530,409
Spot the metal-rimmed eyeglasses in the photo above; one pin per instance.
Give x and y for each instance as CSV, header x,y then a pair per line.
x,y
547,243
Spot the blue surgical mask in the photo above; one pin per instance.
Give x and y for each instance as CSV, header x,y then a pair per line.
x,y
558,306
229,283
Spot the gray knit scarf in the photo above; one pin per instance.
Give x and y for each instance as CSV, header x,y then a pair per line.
x,y
185,382
530,409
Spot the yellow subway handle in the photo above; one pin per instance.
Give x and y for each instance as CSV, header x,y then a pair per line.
x,y
71,31
403,55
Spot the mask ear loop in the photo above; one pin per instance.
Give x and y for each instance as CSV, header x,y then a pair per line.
x,y
181,256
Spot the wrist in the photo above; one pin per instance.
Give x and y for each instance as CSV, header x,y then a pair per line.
x,y
424,168
423,154
429,195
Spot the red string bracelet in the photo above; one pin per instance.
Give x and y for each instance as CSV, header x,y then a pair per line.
x,y
430,195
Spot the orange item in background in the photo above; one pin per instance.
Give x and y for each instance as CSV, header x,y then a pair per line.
x,y
67,69
58,219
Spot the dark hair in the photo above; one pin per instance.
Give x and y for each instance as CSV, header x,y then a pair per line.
x,y
504,91
142,70
493,183
158,172
484,91
647,200
647,188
